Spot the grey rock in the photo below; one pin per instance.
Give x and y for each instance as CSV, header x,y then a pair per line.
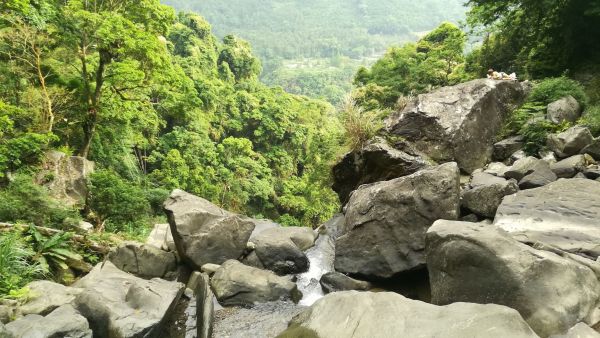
x,y
593,149
548,156
238,284
120,305
85,227
282,249
565,109
458,123
333,227
517,156
377,161
570,142
385,226
477,263
486,194
592,173
581,330
45,296
210,268
205,307
497,169
531,172
569,167
335,281
204,233
505,148
66,177
4,332
383,315
63,322
144,261
261,225
161,237
563,214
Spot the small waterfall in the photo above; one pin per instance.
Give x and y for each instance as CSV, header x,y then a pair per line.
x,y
321,257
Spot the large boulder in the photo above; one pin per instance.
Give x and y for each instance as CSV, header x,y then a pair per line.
x,y
142,260
480,263
385,224
458,123
66,177
335,281
383,315
282,249
45,296
237,284
377,161
64,321
570,142
565,109
204,233
120,305
563,214
486,194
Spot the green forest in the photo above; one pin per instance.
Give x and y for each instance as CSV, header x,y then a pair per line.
x,y
159,102
298,40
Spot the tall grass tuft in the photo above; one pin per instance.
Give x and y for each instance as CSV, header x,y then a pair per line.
x,y
16,266
360,125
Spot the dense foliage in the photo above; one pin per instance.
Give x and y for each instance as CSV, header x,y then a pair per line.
x,y
158,103
538,38
435,60
313,47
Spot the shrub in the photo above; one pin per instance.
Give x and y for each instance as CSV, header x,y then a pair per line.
x,y
122,205
552,89
536,133
519,118
24,201
16,268
591,119
360,125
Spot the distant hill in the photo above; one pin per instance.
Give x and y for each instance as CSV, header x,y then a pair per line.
x,y
284,33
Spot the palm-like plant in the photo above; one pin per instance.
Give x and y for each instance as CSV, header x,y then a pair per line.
x,y
52,253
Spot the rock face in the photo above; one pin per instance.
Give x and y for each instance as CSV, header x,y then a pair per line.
x,y
478,263
384,231
565,109
45,296
65,321
144,261
487,193
383,315
238,284
120,305
66,177
458,123
377,161
570,142
204,233
282,249
335,281
563,214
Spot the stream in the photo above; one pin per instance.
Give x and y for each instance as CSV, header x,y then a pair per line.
x,y
270,319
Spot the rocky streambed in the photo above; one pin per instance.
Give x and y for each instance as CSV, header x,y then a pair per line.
x,y
444,233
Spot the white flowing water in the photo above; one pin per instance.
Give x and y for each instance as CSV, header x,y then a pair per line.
x,y
321,257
